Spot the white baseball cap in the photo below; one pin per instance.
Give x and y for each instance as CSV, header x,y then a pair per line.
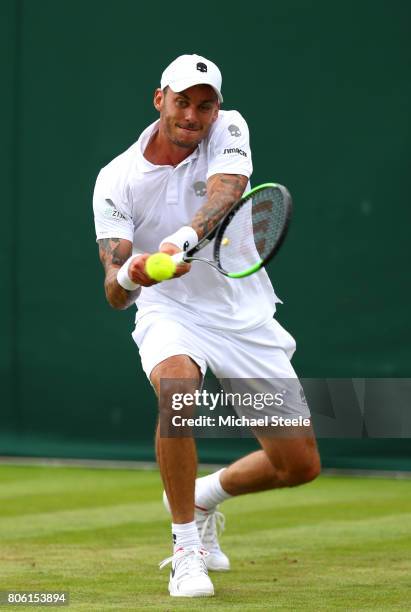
x,y
188,70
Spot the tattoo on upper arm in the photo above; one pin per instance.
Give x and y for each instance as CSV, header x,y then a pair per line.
x,y
114,251
223,190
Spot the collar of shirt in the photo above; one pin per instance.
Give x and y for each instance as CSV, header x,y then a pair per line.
x,y
143,164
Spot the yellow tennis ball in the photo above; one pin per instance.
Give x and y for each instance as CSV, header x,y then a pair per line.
x,y
160,266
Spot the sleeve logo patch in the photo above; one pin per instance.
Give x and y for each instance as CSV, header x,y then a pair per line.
x,y
234,130
235,150
111,211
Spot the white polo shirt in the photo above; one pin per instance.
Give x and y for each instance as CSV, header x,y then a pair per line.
x,y
141,202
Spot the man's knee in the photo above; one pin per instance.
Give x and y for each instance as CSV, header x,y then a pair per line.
x,y
180,371
176,380
301,472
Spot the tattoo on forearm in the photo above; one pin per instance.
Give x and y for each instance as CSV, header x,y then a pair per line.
x,y
112,252
226,190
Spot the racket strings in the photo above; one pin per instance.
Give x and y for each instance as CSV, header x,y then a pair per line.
x,y
254,230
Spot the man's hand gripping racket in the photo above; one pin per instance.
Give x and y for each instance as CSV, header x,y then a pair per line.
x,y
245,239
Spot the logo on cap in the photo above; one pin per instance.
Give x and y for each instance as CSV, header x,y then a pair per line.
x,y
201,67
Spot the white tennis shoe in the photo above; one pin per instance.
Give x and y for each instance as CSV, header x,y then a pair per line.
x,y
210,524
189,576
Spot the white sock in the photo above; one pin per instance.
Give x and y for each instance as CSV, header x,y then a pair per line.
x,y
209,491
185,534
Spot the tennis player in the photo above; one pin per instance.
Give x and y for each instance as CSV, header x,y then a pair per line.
x,y
164,193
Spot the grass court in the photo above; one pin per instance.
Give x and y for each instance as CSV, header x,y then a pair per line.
x,y
339,543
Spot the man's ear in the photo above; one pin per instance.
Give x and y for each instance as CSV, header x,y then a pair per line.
x,y
158,99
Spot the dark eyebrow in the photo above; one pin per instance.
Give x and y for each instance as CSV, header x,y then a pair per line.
x,y
184,95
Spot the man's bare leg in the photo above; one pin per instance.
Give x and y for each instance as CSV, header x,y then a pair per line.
x,y
283,462
177,457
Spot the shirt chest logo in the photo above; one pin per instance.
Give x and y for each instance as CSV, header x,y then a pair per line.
x,y
200,188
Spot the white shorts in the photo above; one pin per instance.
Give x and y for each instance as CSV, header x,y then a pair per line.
x,y
263,352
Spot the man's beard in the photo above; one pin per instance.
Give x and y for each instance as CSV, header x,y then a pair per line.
x,y
185,145
182,143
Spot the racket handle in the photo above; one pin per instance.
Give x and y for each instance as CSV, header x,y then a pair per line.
x,y
178,257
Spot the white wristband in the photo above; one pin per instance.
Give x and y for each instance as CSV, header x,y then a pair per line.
x,y
123,278
185,238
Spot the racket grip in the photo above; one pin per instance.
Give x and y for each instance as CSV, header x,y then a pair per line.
x,y
178,257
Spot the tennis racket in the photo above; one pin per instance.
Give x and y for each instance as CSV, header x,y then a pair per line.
x,y
249,234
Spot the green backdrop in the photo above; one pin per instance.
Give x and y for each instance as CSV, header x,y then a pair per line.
x,y
326,91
